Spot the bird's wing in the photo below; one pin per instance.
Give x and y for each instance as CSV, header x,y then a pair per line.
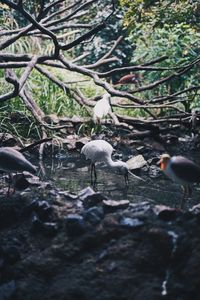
x,y
101,108
187,170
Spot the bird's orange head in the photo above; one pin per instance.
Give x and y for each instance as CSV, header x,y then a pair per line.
x,y
164,159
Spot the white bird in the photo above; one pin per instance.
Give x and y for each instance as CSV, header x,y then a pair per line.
x,y
101,151
101,108
12,160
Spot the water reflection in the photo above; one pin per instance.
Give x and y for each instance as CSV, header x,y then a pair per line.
x,y
72,173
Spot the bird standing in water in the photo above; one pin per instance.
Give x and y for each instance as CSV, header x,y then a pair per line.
x,y
101,151
12,161
181,170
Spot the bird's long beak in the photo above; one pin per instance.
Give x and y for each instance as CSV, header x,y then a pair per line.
x,y
159,162
129,172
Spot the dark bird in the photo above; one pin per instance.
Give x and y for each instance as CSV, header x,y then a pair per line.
x,y
12,161
182,171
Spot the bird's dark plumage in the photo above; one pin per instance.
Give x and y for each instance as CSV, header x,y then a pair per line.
x,y
186,169
12,160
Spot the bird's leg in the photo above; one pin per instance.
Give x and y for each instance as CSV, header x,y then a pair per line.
x,y
186,191
9,184
93,170
126,179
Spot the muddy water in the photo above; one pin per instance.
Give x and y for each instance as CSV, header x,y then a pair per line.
x,y
72,173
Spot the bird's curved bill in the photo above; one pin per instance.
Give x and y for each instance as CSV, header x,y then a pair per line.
x,y
129,172
159,162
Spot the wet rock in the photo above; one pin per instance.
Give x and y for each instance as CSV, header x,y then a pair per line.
x,y
141,208
49,228
35,181
42,208
7,290
112,205
136,162
36,223
93,200
166,213
94,215
75,224
46,228
153,160
83,194
20,182
195,209
131,222
68,196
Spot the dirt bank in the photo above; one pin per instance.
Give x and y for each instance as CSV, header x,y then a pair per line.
x,y
82,247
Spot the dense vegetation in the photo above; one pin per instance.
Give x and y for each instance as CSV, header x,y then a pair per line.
x,y
140,32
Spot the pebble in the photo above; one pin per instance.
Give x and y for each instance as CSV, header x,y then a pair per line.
x,y
113,205
131,222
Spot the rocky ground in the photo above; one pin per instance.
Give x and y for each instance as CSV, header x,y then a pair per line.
x,y
88,247
57,245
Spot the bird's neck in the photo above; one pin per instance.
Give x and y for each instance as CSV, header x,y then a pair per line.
x,y
111,163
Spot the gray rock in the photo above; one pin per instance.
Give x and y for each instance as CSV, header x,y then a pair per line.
x,y
68,196
94,215
114,205
131,222
83,194
93,200
136,162
75,224
166,213
49,228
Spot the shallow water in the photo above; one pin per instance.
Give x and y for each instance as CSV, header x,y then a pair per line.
x,y
72,173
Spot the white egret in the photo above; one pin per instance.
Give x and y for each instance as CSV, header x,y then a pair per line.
x,y
101,108
12,160
101,151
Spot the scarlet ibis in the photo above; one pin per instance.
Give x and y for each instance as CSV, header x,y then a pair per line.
x,y
102,108
127,79
12,160
182,171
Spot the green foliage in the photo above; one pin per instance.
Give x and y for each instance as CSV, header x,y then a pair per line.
x,y
158,13
165,28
